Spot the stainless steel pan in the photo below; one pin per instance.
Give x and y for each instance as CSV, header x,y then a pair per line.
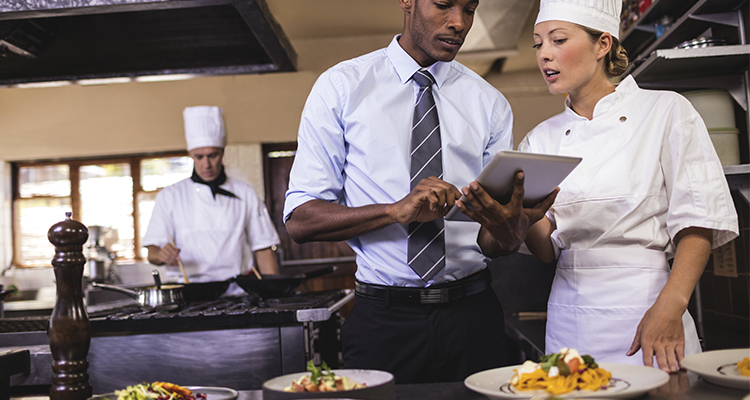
x,y
159,297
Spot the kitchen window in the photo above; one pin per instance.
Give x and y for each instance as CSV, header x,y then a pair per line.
x,y
116,194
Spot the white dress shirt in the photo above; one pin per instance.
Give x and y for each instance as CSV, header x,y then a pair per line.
x,y
354,145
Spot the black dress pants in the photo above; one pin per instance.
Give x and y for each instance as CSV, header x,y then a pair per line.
x,y
421,343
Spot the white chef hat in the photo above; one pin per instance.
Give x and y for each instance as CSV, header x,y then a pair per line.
x,y
204,127
602,15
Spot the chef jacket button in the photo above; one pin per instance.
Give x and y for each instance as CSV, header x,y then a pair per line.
x,y
623,118
567,132
197,189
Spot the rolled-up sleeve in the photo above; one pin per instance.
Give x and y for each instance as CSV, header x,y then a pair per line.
x,y
317,172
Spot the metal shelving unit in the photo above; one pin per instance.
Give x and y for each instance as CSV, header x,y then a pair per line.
x,y
687,25
656,63
703,68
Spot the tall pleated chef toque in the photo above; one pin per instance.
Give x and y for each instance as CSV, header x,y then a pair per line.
x,y
204,127
602,15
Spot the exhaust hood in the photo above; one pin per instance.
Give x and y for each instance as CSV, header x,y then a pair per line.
x,y
71,40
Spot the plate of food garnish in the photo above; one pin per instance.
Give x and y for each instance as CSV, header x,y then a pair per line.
x,y
321,382
566,375
168,391
730,367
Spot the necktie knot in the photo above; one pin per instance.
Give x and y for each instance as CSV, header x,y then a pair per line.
x,y
423,78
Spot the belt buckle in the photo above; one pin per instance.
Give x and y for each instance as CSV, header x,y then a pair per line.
x,y
434,295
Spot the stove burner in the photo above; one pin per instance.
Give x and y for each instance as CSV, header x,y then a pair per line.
x,y
227,311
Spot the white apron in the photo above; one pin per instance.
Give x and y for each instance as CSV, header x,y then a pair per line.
x,y
598,298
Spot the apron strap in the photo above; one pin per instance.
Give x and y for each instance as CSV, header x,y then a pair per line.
x,y
625,257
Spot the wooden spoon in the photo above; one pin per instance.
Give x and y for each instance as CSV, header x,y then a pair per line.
x,y
179,262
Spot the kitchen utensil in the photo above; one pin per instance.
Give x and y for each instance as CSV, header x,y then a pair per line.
x,y
157,278
179,262
204,291
702,42
380,386
273,286
255,271
161,297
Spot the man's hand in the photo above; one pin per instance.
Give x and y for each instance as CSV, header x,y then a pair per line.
x,y
504,227
167,255
429,200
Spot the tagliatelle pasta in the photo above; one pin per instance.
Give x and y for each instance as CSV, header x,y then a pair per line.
x,y
744,366
561,373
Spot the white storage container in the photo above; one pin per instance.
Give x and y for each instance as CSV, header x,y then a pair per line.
x,y
727,144
716,107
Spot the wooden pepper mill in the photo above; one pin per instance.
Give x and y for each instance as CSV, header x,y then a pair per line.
x,y
69,326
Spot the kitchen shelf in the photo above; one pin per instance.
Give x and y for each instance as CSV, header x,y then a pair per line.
x,y
657,63
642,33
689,25
671,64
701,68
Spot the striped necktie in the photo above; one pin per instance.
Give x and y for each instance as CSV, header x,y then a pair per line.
x,y
426,239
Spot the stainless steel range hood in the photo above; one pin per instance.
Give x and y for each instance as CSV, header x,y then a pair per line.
x,y
45,40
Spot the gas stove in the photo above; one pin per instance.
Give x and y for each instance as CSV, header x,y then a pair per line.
x,y
244,339
225,312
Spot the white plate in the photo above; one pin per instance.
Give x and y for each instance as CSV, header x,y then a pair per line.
x,y
212,393
629,381
380,386
719,367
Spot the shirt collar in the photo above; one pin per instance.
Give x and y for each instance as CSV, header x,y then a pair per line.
x,y
607,103
406,66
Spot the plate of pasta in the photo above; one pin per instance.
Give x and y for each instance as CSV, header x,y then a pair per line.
x,y
729,367
567,375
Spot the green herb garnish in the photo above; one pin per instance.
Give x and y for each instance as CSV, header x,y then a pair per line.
x,y
317,373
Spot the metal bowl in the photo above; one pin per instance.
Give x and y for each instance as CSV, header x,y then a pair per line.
x,y
702,42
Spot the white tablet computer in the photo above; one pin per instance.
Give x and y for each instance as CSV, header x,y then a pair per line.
x,y
543,172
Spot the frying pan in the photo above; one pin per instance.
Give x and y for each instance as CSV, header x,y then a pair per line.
x,y
159,297
274,286
205,291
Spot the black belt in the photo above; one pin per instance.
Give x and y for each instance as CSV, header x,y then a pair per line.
x,y
445,293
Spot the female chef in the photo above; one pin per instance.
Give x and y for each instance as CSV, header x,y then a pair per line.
x,y
650,188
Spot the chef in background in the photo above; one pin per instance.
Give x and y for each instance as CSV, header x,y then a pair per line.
x,y
216,225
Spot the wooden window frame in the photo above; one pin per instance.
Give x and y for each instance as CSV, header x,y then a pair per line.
x,y
75,197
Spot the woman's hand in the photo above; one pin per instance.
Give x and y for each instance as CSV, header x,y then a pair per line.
x,y
660,334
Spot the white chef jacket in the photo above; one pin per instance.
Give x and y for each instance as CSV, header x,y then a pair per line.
x,y
649,170
355,144
216,236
